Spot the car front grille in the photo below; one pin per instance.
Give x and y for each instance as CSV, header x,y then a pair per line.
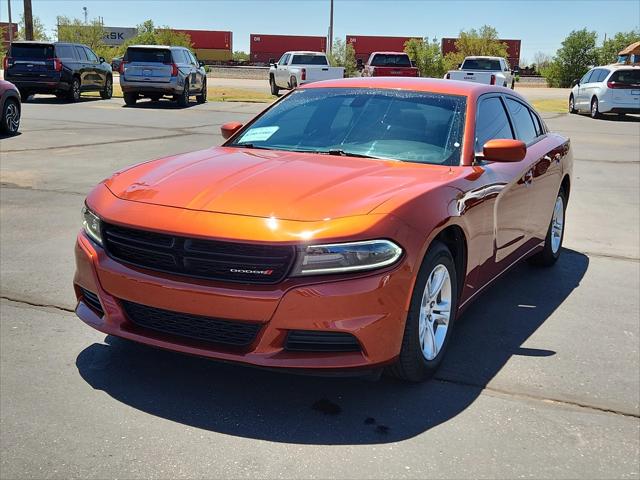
x,y
196,327
92,301
208,259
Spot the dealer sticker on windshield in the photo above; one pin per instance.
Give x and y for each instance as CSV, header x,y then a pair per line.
x,y
259,134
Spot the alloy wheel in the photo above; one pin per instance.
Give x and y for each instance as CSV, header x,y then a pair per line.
x,y
557,224
435,312
12,117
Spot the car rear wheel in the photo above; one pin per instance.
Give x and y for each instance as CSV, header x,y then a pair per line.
x,y
293,83
553,241
10,121
274,88
74,91
183,99
202,96
595,113
572,104
107,91
430,318
130,99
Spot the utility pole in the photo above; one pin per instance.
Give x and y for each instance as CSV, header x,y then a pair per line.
x,y
10,23
28,20
330,43
85,14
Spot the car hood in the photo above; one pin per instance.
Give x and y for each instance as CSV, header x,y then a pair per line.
x,y
260,183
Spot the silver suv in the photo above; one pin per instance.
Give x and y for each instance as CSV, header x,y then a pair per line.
x,y
156,71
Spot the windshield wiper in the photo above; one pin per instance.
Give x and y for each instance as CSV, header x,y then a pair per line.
x,y
342,153
250,145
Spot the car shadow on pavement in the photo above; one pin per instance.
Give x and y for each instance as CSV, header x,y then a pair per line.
x,y
281,407
162,104
53,100
620,118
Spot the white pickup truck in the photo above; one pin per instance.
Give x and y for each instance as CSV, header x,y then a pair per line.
x,y
488,70
298,68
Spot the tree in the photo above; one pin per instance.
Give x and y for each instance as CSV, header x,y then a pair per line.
x,y
483,41
39,32
75,30
577,54
608,53
3,50
240,56
426,57
343,55
541,60
149,34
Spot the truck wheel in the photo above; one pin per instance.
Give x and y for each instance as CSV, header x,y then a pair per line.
x,y
74,91
513,84
130,99
107,91
293,83
202,96
274,88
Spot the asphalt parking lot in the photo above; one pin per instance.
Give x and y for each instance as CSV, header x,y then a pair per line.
x,y
542,379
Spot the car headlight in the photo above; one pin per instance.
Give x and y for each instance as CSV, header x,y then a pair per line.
x,y
91,225
345,257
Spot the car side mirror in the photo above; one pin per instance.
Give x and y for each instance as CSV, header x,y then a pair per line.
x,y
272,61
102,60
516,70
575,82
229,129
201,63
504,150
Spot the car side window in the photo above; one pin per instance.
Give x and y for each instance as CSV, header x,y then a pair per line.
x,y
193,59
603,74
81,55
284,60
178,56
491,122
90,55
585,78
65,52
522,121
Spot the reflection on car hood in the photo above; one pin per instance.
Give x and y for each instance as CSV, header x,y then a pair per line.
x,y
263,183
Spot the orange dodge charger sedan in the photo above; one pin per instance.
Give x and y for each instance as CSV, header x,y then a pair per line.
x,y
341,230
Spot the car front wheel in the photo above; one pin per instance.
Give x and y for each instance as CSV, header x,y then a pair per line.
x,y
274,88
10,121
572,104
202,96
430,319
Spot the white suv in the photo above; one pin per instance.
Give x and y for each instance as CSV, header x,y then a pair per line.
x,y
609,89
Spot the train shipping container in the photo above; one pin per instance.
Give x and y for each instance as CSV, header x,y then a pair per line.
x,y
264,47
211,55
364,45
513,49
210,39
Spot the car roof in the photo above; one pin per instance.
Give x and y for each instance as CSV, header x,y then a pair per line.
x,y
163,47
431,85
305,52
389,53
618,66
483,56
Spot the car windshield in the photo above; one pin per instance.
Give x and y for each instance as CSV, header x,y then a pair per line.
x,y
386,60
309,60
481,64
32,51
147,55
378,123
626,77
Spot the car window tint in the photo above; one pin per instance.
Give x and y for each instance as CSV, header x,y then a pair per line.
x,y
194,60
585,78
65,52
390,60
82,56
284,60
492,122
595,75
481,64
147,55
32,51
523,123
604,73
90,55
537,123
626,77
309,60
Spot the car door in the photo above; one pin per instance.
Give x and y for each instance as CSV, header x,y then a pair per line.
x,y
282,75
196,75
95,71
544,154
84,68
510,181
581,102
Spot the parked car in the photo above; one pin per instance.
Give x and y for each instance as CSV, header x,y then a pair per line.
x,y
610,89
344,228
115,63
156,71
487,70
9,108
389,64
299,68
63,69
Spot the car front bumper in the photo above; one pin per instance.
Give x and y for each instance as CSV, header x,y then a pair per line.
x,y
370,307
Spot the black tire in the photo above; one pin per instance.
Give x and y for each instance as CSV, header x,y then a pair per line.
x,y
61,95
412,365
293,83
183,99
202,96
74,90
154,98
595,112
513,84
107,92
10,120
274,88
572,104
130,99
24,94
548,256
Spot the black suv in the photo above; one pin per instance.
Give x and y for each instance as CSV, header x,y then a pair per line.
x,y
65,69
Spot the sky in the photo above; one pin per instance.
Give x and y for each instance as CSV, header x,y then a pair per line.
x,y
540,24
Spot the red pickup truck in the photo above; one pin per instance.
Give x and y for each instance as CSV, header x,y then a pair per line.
x,y
389,64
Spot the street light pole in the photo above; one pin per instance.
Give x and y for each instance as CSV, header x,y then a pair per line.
x,y
330,43
10,23
28,20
